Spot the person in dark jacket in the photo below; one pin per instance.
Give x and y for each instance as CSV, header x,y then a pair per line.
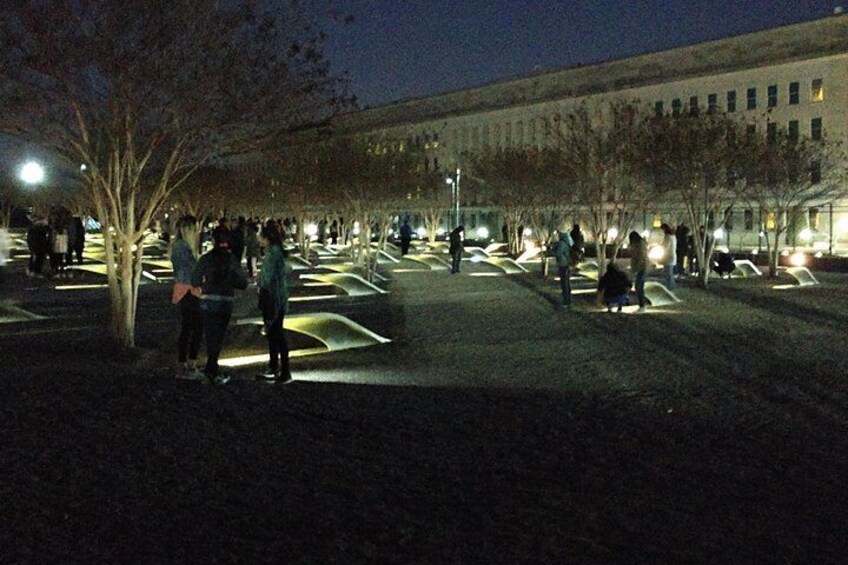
x,y
682,235
218,275
456,245
614,286
252,249
274,303
38,241
724,265
639,265
78,244
405,237
236,237
578,246
563,254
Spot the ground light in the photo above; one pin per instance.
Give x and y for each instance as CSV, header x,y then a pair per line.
x,y
798,259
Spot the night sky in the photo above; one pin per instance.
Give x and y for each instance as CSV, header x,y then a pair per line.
x,y
399,49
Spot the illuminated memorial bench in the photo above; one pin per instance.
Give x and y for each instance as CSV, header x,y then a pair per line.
x,y
431,261
353,285
507,265
334,332
659,295
10,313
802,276
353,269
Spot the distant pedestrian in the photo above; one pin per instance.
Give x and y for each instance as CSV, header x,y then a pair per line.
x,y
563,254
334,232
613,287
218,275
236,237
274,302
670,256
578,248
252,249
78,243
184,254
58,247
681,234
405,237
457,235
38,242
639,265
5,252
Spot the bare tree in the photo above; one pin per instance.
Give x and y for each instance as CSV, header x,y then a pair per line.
x,y
142,96
789,174
599,147
507,178
697,159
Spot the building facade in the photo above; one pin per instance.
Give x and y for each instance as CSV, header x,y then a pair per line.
x,y
794,77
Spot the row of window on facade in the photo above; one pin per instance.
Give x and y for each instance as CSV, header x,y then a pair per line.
x,y
772,99
750,221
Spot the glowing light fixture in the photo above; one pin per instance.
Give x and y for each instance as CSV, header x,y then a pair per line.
x,y
656,253
483,232
528,232
32,173
311,230
798,259
612,233
422,232
719,233
806,234
440,231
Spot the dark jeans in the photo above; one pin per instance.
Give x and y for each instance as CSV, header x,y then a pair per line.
x,y
669,276
36,261
565,284
57,264
216,317
278,346
191,329
404,245
456,258
640,288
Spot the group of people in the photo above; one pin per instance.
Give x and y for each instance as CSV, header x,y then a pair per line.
x,y
53,243
205,287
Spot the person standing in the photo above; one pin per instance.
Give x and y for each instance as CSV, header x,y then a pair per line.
x,y
236,236
334,232
274,302
456,244
578,250
252,249
5,253
78,244
562,254
405,237
58,247
682,236
184,253
218,275
639,265
670,246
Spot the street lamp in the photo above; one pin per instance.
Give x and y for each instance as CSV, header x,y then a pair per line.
x,y
31,173
454,182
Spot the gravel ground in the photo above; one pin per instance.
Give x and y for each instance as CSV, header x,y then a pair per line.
x,y
495,428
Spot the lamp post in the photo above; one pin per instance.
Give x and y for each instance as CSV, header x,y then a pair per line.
x,y
454,182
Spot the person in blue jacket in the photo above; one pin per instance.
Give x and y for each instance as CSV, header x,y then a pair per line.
x,y
184,253
274,302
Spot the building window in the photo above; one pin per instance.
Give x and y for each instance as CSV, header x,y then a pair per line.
x,y
712,103
772,96
693,106
657,220
814,219
794,90
815,172
658,108
771,132
793,130
675,107
817,90
816,129
731,101
752,98
749,220
435,163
